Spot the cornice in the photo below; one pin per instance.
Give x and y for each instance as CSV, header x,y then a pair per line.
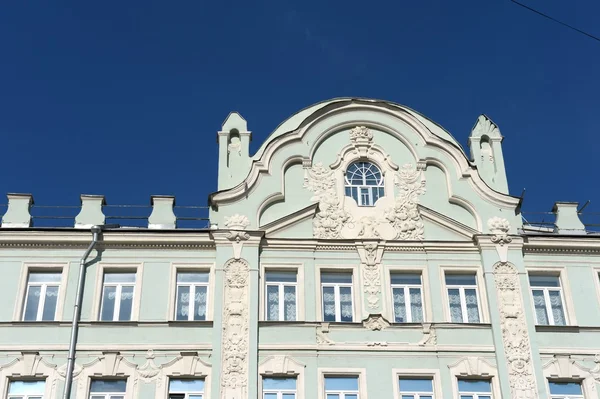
x,y
562,244
110,239
350,245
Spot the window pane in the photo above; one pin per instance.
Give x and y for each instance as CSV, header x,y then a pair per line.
x,y
270,396
539,303
126,303
26,387
33,301
119,277
272,302
339,278
39,277
50,303
108,303
333,396
200,302
461,279
346,303
565,388
350,396
472,306
416,305
455,307
557,308
399,305
192,277
328,304
186,385
289,294
289,396
183,302
416,385
404,278
544,281
483,386
281,277
341,383
279,383
108,386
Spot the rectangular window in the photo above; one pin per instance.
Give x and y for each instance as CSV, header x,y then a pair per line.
x,y
463,298
475,389
108,389
416,388
26,389
341,387
281,295
192,296
407,295
41,296
279,388
337,296
565,390
547,300
117,296
186,388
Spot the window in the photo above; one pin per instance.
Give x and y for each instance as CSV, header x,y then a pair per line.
x,y
407,296
279,388
42,296
547,300
117,296
26,389
364,183
186,389
565,390
462,298
341,387
475,389
108,389
337,296
416,388
281,295
192,296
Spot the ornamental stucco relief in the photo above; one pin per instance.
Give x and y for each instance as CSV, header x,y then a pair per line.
x,y
395,216
235,337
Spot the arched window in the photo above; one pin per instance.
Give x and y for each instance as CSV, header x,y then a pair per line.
x,y
364,183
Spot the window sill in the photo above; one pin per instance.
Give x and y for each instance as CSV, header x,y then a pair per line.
x,y
560,329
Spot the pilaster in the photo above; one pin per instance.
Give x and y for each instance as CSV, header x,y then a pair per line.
x,y
371,275
235,346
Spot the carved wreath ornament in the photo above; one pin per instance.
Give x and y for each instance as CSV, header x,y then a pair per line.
x,y
395,216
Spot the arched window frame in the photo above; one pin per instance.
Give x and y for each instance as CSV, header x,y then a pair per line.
x,y
370,189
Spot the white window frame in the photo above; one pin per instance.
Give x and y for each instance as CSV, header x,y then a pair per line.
x,y
406,288
432,374
185,268
463,305
29,267
42,301
475,395
279,392
546,292
137,269
187,393
360,373
25,396
336,293
281,293
107,395
118,291
582,396
192,287
364,186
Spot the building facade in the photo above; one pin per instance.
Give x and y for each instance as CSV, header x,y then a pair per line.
x,y
360,253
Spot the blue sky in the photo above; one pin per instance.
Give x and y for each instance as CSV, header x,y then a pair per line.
x,y
125,98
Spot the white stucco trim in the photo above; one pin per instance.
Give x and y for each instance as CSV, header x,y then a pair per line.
x,y
191,267
300,296
189,365
361,373
434,374
357,297
29,365
388,269
474,368
101,268
109,365
28,267
567,297
563,368
484,311
282,366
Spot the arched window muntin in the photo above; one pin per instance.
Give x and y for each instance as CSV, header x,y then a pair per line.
x,y
364,183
